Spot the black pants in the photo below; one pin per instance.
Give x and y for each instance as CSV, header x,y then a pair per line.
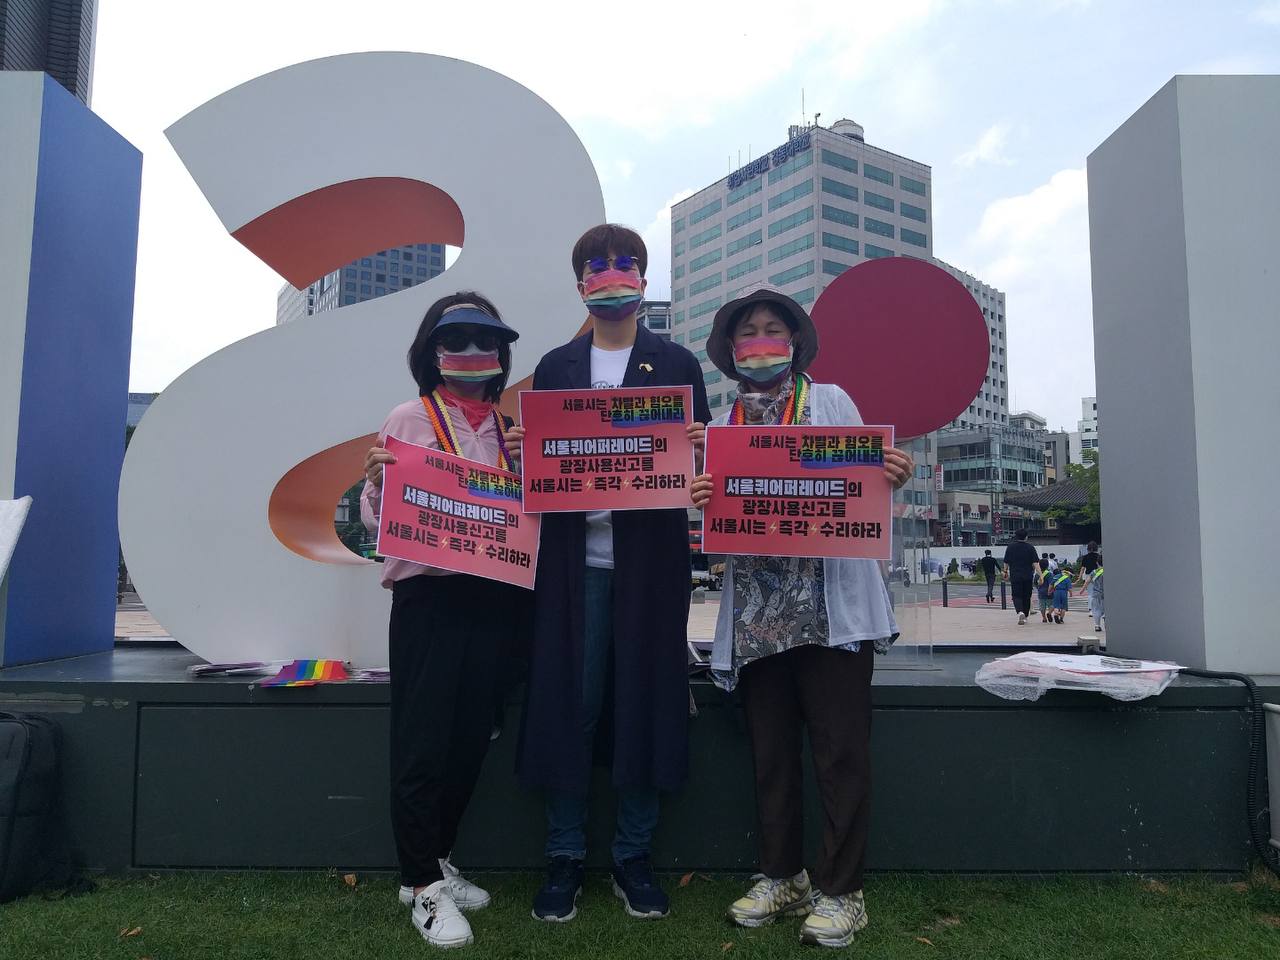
x,y
445,636
1021,590
828,691
991,588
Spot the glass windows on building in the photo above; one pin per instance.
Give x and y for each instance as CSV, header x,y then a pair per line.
x,y
678,249
754,185
836,215
677,224
833,267
706,236
744,267
877,201
790,221
706,283
349,285
839,161
872,252
838,188
701,309
804,296
794,273
783,170
878,227
879,174
366,289
912,212
834,241
748,240
706,260
753,212
802,189
911,186
679,272
709,210
712,376
912,237
699,334
784,250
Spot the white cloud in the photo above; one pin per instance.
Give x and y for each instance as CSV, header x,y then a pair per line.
x,y
990,147
1268,13
657,238
1035,247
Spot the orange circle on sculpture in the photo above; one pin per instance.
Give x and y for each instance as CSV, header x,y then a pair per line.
x,y
905,340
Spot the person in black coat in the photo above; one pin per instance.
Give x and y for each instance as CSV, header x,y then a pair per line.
x,y
608,670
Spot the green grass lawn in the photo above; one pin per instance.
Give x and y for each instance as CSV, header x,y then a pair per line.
x,y
313,916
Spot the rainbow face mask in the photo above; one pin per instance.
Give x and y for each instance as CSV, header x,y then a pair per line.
x,y
612,294
763,360
471,365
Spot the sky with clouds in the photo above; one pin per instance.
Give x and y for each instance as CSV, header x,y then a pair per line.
x,y
1004,99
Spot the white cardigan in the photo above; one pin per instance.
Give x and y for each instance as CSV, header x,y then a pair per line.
x,y
858,605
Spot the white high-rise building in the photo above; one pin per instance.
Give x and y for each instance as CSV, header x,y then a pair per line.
x,y
796,217
1088,425
991,405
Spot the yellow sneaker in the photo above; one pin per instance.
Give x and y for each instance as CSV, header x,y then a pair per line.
x,y
834,920
769,899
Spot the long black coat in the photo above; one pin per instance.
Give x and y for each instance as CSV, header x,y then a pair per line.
x,y
643,729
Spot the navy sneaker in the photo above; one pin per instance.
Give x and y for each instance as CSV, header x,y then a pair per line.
x,y
635,885
557,901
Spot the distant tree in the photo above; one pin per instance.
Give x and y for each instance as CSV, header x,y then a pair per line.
x,y
1087,475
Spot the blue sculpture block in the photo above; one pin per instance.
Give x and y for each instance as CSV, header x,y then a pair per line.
x,y
69,197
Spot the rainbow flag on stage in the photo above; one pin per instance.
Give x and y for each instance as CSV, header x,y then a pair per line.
x,y
307,673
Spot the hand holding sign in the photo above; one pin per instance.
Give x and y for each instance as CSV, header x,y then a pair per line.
x,y
626,449
798,491
455,514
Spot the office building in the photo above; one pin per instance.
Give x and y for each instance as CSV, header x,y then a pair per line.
x,y
656,315
1088,425
365,279
796,217
52,36
991,405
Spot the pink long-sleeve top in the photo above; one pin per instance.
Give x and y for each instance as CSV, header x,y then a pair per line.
x,y
408,422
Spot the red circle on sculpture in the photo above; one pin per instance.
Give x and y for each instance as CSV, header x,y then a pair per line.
x,y
905,340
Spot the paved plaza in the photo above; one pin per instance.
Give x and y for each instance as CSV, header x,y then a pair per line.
x,y
964,622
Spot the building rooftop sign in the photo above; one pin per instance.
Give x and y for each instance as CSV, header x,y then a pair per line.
x,y
781,155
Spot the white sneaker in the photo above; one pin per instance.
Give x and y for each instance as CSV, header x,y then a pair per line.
x,y
1022,618
438,919
465,893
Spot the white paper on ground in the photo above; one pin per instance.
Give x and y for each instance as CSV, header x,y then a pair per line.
x,y
13,514
1026,676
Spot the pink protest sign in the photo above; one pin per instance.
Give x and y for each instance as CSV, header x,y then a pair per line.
x,y
456,514
623,449
798,492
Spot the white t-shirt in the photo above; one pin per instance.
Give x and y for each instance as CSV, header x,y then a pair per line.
x,y
608,367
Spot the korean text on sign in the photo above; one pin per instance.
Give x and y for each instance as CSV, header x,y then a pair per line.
x,y
624,449
456,514
798,492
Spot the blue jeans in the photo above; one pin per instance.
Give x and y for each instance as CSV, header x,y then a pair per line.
x,y
637,806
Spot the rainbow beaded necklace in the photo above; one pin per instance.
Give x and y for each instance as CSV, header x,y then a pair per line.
x,y
448,439
791,413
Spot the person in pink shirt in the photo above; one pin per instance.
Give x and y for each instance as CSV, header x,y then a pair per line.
x,y
447,629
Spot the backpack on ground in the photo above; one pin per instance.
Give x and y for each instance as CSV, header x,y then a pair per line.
x,y
29,843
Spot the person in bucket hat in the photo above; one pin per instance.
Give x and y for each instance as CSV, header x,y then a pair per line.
x,y
799,635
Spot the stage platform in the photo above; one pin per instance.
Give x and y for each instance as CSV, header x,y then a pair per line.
x,y
162,771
